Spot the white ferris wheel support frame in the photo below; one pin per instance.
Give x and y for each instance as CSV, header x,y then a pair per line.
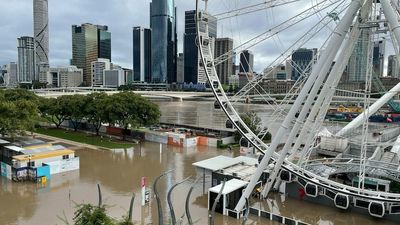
x,y
330,82
313,83
233,116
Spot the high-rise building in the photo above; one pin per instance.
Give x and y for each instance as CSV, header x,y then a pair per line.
x,y
180,77
89,42
163,40
10,72
104,42
302,61
378,58
192,59
393,67
98,68
246,62
357,66
26,59
41,34
224,68
142,54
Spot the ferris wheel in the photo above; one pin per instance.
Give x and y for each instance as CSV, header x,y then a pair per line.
x,y
273,30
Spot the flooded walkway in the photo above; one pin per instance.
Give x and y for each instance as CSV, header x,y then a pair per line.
x,y
119,173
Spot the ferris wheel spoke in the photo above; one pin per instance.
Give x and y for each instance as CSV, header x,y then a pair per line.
x,y
308,35
305,14
253,8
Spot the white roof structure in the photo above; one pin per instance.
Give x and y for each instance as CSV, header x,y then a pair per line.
x,y
44,149
222,162
14,148
4,142
230,186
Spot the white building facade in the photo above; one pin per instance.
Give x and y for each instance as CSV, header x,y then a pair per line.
x,y
98,68
114,78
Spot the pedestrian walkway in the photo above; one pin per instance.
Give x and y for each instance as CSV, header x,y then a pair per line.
x,y
73,143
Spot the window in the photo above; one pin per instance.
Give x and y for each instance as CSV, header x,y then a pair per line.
x,y
65,157
31,164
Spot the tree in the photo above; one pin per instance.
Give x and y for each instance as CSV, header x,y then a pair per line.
x,y
20,94
89,214
254,123
55,110
128,109
75,106
18,112
95,110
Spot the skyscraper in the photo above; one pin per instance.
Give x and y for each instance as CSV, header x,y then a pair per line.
x,y
357,66
378,58
142,54
180,78
163,40
224,69
104,42
192,58
41,34
393,67
301,59
26,59
246,61
89,42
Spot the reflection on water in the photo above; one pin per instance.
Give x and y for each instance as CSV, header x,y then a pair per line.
x,y
119,172
203,114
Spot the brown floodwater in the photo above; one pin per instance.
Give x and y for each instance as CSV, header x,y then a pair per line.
x,y
119,172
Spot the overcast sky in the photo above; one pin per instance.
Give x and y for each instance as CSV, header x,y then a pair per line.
x,y
16,19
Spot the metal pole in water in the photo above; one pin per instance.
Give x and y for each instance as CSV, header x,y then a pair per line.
x,y
212,213
169,200
187,209
160,214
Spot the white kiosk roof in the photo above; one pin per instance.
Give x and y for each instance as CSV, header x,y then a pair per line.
x,y
222,162
230,186
14,148
4,142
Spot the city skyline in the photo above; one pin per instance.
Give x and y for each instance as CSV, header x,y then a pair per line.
x,y
120,16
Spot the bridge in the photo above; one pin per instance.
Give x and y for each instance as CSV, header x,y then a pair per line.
x,y
341,96
169,95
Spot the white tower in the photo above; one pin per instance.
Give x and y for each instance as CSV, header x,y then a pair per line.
x,y
41,33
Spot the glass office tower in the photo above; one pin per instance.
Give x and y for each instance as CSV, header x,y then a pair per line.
x,y
104,42
163,40
142,54
192,62
89,43
41,34
26,59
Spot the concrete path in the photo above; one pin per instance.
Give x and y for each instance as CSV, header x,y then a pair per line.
x,y
73,143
